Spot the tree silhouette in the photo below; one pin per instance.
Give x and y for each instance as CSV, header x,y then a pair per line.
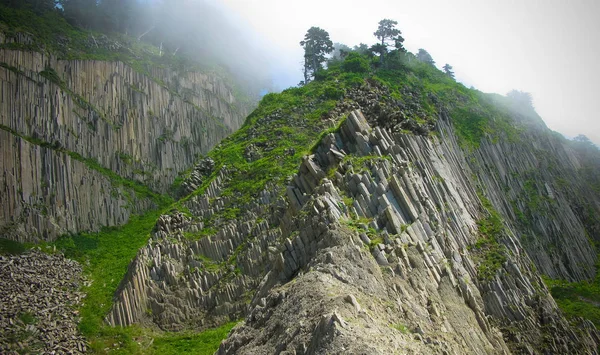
x,y
521,98
316,45
387,32
448,70
424,56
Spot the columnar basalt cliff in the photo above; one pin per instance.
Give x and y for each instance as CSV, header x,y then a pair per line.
x,y
382,208
303,264
535,185
72,130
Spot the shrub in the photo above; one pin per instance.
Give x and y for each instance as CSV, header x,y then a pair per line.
x,y
355,63
333,93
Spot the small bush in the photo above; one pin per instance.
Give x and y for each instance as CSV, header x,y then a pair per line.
x,y
11,247
355,63
333,93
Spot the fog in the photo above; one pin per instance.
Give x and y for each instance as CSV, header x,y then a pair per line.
x,y
547,48
204,32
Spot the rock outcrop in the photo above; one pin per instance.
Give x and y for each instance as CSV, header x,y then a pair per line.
x,y
72,130
374,249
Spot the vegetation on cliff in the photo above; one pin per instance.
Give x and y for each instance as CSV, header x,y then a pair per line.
x,y
405,92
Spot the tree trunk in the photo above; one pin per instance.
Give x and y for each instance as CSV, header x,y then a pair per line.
x,y
145,33
306,78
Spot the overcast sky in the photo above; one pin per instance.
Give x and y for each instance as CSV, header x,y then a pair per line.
x,y
549,48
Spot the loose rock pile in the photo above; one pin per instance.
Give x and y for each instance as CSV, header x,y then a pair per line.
x,y
38,294
382,110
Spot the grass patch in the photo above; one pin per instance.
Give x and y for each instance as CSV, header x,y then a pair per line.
x,y
284,128
11,247
401,328
105,257
138,340
489,254
27,318
206,342
577,299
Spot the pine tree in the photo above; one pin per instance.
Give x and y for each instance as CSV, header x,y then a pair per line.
x,y
448,70
316,45
424,56
387,31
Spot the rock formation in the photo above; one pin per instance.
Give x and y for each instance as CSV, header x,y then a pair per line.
x,y
381,229
382,256
72,130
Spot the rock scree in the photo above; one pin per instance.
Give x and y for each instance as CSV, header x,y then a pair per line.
x,y
39,296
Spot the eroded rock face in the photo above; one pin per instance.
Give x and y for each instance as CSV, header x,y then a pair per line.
x,y
535,183
377,258
39,296
342,300
59,119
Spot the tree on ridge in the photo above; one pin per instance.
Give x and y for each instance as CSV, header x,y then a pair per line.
x,y
424,56
316,45
448,70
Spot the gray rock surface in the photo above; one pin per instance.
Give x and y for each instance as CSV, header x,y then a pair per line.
x,y
146,128
393,229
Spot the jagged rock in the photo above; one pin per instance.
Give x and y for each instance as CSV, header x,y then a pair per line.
x,y
418,285
202,169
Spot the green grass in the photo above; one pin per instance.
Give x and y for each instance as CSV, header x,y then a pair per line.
x,y
105,257
27,318
206,342
401,328
284,127
489,253
577,299
11,247
138,340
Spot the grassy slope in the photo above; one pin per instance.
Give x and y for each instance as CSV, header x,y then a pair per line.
x,y
51,33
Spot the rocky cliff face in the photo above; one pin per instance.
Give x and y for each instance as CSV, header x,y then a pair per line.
x,y
382,242
535,184
75,134
387,233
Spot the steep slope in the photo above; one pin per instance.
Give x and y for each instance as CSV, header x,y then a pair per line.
x,y
373,210
87,143
384,240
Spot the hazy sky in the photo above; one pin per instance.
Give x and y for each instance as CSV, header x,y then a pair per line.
x,y
549,48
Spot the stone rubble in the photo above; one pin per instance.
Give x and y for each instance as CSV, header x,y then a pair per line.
x,y
39,294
